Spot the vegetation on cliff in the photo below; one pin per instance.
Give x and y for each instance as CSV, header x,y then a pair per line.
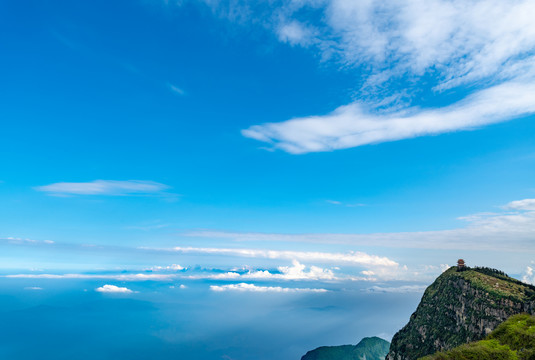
x,y
370,348
512,340
461,307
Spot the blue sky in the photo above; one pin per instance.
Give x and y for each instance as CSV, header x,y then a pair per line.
x,y
285,146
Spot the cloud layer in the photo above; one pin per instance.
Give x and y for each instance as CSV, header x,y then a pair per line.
x,y
399,289
243,287
354,257
512,229
285,273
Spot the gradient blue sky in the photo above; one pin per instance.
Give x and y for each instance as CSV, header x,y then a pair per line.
x,y
292,146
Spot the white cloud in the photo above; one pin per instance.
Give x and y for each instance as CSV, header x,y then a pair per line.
x,y
113,289
398,289
529,275
173,267
33,288
243,287
104,187
526,204
297,272
355,125
353,257
295,33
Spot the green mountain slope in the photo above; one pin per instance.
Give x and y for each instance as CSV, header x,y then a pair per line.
x,y
512,340
370,348
458,308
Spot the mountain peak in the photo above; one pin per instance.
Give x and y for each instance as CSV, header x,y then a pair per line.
x,y
462,305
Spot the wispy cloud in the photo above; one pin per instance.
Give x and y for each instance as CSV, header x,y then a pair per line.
x,y
119,277
398,289
459,41
355,124
483,48
104,187
512,229
33,288
244,287
147,227
295,33
454,41
113,289
354,257
176,89
488,47
25,241
336,202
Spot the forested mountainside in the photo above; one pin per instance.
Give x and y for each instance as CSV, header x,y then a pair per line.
x,y
369,348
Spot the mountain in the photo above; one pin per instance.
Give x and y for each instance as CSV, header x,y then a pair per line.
x,y
369,348
458,308
512,340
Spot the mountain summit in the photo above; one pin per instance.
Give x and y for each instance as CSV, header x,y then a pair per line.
x,y
369,348
462,305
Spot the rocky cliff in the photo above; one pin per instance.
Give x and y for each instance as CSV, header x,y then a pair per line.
x,y
460,307
513,339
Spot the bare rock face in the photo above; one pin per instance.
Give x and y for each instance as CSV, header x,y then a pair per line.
x,y
460,307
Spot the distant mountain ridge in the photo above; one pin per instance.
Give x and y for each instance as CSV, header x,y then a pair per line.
x,y
369,348
458,308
